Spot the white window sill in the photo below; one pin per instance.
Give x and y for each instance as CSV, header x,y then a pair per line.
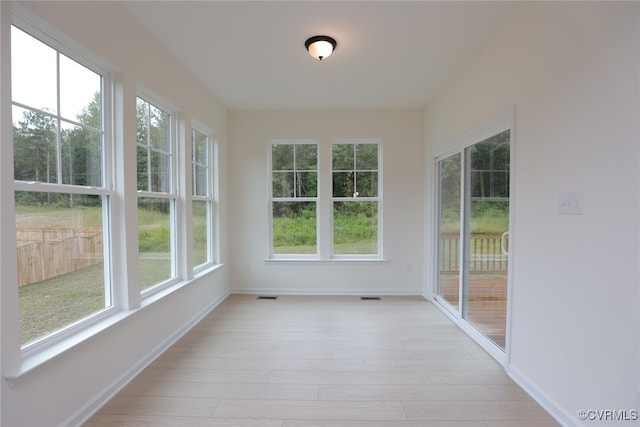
x,y
331,260
40,354
36,358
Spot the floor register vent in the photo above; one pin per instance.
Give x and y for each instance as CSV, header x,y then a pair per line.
x,y
370,298
263,297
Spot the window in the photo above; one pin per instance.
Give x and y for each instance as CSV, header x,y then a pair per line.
x,y
355,198
294,190
60,170
156,195
68,190
203,202
342,221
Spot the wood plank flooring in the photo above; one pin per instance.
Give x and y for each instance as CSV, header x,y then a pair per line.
x,y
311,361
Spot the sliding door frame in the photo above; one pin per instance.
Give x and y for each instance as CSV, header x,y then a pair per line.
x,y
500,122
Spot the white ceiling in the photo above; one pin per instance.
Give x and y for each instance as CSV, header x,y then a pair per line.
x,y
390,54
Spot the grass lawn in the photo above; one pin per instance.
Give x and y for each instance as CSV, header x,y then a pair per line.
x,y
354,248
50,305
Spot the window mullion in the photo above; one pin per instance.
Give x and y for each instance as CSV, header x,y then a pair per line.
x,y
58,124
148,147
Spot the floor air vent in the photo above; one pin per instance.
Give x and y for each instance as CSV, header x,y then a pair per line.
x,y
370,298
267,297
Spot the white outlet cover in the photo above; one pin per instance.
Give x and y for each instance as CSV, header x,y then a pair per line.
x,y
571,204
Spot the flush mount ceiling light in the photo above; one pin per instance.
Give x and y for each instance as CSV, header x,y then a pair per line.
x,y
320,47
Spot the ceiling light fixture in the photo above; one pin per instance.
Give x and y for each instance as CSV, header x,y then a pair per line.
x,y
320,47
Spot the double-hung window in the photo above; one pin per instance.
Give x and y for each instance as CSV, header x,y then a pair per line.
x,y
294,198
356,199
61,152
156,195
203,201
325,210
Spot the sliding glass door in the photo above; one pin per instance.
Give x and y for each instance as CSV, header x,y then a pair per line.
x,y
486,220
473,234
449,214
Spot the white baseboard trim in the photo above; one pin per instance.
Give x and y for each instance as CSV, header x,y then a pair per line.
x,y
560,415
487,345
80,416
427,295
328,292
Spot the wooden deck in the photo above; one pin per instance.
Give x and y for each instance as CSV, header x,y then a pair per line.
x,y
486,303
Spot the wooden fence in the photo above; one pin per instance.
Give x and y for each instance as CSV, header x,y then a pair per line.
x,y
47,253
485,253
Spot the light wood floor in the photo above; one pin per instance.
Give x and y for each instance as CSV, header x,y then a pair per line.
x,y
324,361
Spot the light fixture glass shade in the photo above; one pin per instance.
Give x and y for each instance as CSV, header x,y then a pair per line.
x,y
320,47
320,50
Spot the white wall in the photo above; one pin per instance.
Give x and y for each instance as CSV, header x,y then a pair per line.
x,y
401,133
66,389
571,70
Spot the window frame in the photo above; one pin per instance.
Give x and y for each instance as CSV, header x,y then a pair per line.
x,y
210,197
377,199
324,203
105,191
119,221
172,195
294,199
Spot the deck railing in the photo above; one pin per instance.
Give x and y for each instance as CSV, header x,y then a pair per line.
x,y
486,254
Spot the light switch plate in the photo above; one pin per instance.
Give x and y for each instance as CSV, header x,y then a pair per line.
x,y
571,204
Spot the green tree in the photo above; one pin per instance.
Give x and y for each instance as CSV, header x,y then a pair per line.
x,y
34,148
153,154
81,147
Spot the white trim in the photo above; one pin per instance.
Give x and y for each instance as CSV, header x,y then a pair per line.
x,y
512,240
175,190
324,202
563,417
345,258
501,122
96,402
51,187
487,345
101,322
379,200
271,199
210,198
52,344
10,357
326,292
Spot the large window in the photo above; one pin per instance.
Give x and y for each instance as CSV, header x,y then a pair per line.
x,y
203,198
156,195
70,187
325,210
61,199
294,190
355,198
